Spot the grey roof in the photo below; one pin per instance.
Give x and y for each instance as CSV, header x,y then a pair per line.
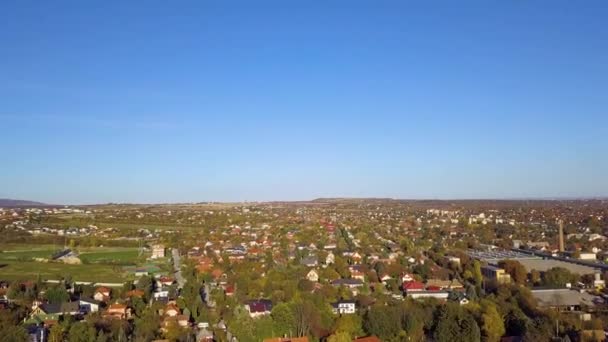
x,y
564,297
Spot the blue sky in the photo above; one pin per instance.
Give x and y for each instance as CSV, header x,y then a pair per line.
x,y
286,100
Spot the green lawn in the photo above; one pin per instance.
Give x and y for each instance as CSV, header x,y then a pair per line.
x,y
22,270
22,255
111,255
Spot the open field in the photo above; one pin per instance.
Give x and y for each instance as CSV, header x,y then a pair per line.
x,y
15,270
111,255
16,252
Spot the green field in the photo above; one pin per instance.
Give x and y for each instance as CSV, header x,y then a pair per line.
x,y
111,255
25,252
18,270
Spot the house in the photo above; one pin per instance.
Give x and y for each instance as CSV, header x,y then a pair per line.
x,y
161,293
102,294
171,310
183,321
204,335
385,278
158,251
135,293
164,281
438,294
344,307
312,276
309,261
66,308
330,259
119,311
412,286
88,305
260,307
287,339
445,284
350,283
229,290
406,277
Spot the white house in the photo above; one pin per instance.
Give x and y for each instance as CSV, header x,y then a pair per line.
x,y
158,251
344,307
312,276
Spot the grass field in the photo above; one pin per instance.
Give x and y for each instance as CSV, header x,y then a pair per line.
x,y
17,270
14,252
111,255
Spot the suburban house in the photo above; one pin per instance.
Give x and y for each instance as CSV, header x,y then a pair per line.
x,y
158,251
102,294
89,305
438,294
412,286
119,311
309,261
344,307
66,308
171,310
260,307
312,276
350,283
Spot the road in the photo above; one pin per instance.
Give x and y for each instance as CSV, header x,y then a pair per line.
x,y
177,267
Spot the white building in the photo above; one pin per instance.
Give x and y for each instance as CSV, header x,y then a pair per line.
x,y
158,251
344,307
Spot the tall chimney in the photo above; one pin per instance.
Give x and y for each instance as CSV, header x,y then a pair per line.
x,y
561,236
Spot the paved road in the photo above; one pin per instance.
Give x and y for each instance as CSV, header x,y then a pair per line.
x,y
177,267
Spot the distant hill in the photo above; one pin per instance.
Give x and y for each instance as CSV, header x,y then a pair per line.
x,y
6,203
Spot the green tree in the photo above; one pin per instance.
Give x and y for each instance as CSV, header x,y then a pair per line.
x,y
383,321
82,332
339,337
518,272
455,324
56,333
57,294
350,324
558,277
493,326
284,320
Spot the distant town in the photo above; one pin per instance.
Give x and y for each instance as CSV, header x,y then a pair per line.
x,y
324,270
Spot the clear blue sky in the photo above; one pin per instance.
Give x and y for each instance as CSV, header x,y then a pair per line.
x,y
224,100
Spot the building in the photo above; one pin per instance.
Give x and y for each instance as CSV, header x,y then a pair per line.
x,y
158,251
438,294
494,273
312,276
568,299
344,307
260,307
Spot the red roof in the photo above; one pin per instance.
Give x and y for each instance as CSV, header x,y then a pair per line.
x,y
413,285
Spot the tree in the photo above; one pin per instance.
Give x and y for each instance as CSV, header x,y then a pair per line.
x,y
13,333
518,272
147,325
339,337
456,324
557,277
56,333
493,327
57,294
284,320
350,324
477,276
383,321
81,332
